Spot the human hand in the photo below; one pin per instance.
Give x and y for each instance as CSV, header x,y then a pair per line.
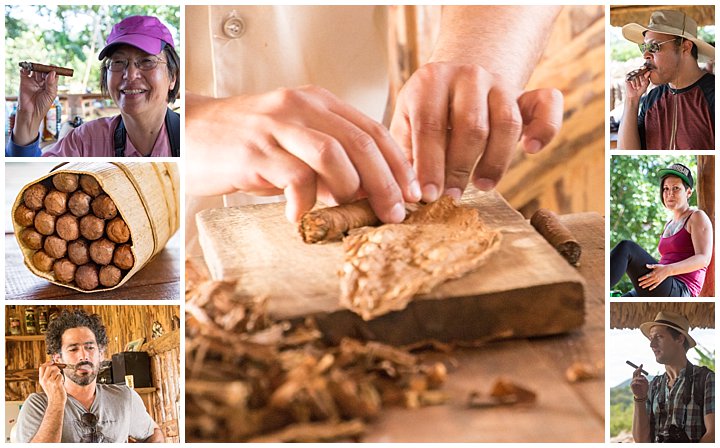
x,y
52,381
652,279
302,142
637,86
449,116
639,384
36,95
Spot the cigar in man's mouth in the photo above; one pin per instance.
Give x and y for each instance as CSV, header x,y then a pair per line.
x,y
62,366
635,73
42,68
635,367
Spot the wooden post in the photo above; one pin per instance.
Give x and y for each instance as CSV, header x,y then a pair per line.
x,y
706,202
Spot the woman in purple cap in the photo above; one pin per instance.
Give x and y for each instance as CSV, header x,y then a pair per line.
x,y
140,72
685,246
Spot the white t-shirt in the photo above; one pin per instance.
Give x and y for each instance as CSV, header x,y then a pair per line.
x,y
234,50
119,410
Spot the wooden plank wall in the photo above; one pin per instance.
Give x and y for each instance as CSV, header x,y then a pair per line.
x,y
567,176
124,323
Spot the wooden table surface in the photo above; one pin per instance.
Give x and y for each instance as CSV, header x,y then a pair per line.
x,y
158,280
563,412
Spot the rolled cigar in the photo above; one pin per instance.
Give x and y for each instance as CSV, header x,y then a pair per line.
x,y
31,238
55,246
43,261
635,73
45,222
34,196
64,270
67,182
86,276
79,203
117,230
549,226
123,257
56,202
42,68
67,227
24,216
92,227
330,224
101,251
643,371
90,185
79,252
103,207
110,276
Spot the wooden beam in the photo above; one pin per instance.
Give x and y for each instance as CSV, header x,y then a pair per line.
x,y
706,203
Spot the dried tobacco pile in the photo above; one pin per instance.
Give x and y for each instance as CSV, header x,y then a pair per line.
x,y
74,232
249,379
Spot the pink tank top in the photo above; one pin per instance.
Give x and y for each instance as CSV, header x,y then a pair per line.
x,y
679,247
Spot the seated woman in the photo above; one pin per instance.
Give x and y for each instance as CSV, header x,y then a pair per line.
x,y
685,246
140,72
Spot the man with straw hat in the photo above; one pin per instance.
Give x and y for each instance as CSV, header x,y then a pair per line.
x,y
678,406
680,112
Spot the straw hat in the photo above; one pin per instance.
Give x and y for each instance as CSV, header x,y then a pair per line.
x,y
675,23
671,320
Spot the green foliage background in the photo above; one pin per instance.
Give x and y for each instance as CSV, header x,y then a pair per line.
x,y
62,42
636,212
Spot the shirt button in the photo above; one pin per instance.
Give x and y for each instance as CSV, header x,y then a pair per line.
x,y
234,27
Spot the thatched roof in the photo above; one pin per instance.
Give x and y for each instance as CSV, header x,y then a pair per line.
x,y
622,15
632,314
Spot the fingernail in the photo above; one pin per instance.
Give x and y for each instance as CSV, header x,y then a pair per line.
x,y
454,193
484,184
415,192
533,146
291,212
429,192
397,214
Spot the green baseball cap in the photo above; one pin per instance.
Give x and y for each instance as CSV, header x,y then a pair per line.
x,y
679,170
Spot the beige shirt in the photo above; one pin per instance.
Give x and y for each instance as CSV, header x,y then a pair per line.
x,y
235,50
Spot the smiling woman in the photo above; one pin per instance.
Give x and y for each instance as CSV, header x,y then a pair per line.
x,y
140,72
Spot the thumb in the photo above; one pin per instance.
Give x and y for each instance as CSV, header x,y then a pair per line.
x,y
542,114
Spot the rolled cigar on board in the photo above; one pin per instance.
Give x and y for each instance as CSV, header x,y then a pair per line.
x,y
42,68
549,226
330,224
635,73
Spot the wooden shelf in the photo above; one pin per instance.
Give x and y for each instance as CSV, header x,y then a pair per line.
x,y
25,338
145,390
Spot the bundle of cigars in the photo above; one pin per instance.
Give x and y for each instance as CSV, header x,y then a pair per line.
x,y
91,226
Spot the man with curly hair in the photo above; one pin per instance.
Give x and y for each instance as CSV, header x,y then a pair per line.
x,y
74,407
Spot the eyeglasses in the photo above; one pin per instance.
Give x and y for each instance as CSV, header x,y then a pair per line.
x,y
145,64
90,420
653,47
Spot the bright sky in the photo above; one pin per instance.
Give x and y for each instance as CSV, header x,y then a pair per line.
x,y
632,345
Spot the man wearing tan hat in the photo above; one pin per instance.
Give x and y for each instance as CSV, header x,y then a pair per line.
x,y
680,112
678,406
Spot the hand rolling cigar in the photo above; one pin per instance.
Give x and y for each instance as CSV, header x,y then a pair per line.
x,y
635,73
635,367
41,68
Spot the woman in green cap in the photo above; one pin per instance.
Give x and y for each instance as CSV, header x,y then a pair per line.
x,y
685,246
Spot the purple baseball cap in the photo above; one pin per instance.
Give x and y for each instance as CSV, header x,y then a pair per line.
x,y
144,32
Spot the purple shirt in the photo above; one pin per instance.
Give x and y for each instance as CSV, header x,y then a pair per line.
x,y
679,247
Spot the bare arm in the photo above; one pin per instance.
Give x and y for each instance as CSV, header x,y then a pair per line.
x,y
628,134
52,382
709,436
157,436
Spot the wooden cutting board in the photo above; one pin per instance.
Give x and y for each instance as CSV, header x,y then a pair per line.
x,y
525,289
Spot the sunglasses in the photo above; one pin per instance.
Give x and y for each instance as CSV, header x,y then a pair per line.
x,y
652,47
90,420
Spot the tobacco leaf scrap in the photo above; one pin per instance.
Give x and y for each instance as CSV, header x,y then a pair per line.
x,y
386,266
503,392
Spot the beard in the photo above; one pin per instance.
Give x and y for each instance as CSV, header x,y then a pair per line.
x,y
84,379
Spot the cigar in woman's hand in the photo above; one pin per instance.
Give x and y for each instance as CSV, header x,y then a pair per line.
x,y
42,68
